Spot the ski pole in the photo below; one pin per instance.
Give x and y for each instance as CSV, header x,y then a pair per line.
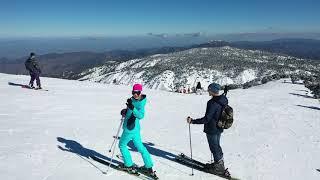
x,y
190,149
114,145
117,135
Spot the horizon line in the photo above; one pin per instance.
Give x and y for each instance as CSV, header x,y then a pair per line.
x,y
161,35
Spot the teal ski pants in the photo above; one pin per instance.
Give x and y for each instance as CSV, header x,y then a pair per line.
x,y
136,138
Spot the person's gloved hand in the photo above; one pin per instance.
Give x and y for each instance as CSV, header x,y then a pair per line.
x,y
189,120
123,112
129,104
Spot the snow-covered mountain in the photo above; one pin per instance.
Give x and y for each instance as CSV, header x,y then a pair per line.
x,y
49,135
224,65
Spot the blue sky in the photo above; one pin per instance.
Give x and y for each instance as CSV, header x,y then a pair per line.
x,y
45,18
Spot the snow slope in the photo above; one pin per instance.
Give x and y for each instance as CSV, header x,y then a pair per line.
x,y
48,135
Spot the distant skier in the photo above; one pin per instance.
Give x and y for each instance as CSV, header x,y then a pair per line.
x,y
34,69
131,131
198,88
211,129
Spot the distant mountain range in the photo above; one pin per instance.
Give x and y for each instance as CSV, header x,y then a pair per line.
x,y
70,65
225,65
15,47
301,48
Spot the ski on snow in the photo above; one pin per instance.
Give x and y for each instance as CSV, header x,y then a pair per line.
x,y
37,89
119,166
183,159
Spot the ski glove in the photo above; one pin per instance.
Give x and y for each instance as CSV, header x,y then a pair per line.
x,y
189,120
129,104
123,112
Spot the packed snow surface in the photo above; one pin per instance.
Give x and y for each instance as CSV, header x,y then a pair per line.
x,y
48,135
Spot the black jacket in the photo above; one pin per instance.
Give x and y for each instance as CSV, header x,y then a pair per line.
x,y
32,66
212,115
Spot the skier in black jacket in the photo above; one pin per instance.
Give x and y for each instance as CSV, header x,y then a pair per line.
x,y
34,69
211,129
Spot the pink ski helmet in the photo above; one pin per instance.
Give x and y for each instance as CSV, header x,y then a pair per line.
x,y
137,87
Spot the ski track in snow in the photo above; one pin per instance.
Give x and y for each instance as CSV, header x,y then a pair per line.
x,y
275,135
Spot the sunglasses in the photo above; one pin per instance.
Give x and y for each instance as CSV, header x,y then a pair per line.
x,y
136,92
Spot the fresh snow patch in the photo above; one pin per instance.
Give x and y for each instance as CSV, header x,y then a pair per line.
x,y
246,76
163,81
224,81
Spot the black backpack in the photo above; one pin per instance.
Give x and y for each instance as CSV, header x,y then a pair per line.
x,y
226,117
28,65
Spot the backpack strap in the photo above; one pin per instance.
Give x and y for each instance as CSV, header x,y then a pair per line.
x,y
218,102
222,106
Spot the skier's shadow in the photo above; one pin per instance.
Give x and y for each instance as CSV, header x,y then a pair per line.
x,y
310,107
87,154
300,95
76,148
154,151
15,84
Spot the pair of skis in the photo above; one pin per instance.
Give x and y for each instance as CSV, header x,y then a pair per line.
x,y
183,159
140,169
120,166
136,171
38,89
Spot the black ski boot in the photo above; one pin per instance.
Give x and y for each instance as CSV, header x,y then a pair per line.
x,y
130,170
209,166
216,168
148,172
